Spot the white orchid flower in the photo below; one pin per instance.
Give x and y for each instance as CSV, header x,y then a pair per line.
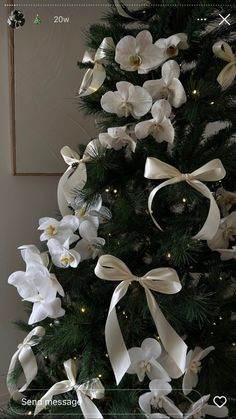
x,y
159,127
138,54
90,245
168,87
144,361
32,256
127,100
156,399
61,254
200,409
117,138
227,254
60,230
171,46
193,367
225,233
95,212
39,287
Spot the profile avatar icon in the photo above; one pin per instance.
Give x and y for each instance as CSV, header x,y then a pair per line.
x,y
16,19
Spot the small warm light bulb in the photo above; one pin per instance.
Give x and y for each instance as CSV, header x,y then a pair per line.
x,y
115,191
107,190
74,357
220,278
214,324
30,413
46,357
184,200
109,234
83,309
107,356
233,344
194,92
168,255
220,318
212,103
123,312
50,324
99,375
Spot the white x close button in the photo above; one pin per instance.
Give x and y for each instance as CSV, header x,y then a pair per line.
x,y
224,19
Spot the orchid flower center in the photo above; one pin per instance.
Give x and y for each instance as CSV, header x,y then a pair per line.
x,y
127,108
82,212
157,402
157,127
66,260
51,230
145,365
135,60
172,50
195,366
165,92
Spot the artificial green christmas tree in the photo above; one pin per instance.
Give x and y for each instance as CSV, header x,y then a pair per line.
x,y
134,296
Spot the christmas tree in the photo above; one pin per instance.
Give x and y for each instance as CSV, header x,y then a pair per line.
x,y
132,300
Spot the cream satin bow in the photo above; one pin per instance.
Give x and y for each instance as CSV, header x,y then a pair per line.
x,y
222,50
75,176
25,356
214,170
94,77
164,280
92,389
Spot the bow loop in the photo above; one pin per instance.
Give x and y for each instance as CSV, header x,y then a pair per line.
x,y
157,169
112,268
211,171
164,280
222,50
71,368
70,156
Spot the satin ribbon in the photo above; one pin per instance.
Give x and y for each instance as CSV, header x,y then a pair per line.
x,y
94,77
164,280
212,171
92,389
75,177
222,50
121,10
25,356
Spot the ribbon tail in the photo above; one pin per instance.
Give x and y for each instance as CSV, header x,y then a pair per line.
x,y
93,80
89,409
62,202
11,385
71,181
29,365
172,342
212,222
227,75
117,351
58,388
153,193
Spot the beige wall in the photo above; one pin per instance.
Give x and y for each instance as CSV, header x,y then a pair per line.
x,y
23,201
